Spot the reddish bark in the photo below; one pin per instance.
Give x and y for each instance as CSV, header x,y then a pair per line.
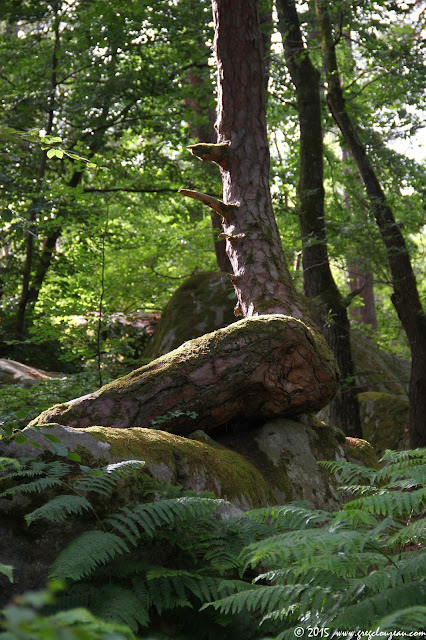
x,y
258,368
260,274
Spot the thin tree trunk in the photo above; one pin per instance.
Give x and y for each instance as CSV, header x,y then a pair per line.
x,y
318,280
405,297
29,253
361,283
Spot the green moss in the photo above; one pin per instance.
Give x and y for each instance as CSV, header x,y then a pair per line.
x,y
384,419
362,451
200,305
225,472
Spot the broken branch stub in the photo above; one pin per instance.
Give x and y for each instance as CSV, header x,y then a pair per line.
x,y
226,211
217,153
261,367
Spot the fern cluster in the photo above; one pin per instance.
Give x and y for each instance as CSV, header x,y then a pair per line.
x,y
166,562
352,570
143,561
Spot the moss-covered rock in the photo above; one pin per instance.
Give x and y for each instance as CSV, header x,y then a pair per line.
x,y
361,451
272,464
377,370
384,418
169,458
257,368
286,451
203,303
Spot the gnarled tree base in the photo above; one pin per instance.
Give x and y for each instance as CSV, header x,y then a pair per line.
x,y
261,367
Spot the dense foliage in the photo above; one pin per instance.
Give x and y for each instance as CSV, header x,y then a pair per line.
x,y
117,92
165,563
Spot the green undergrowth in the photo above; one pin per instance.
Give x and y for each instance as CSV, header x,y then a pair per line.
x,y
19,405
165,566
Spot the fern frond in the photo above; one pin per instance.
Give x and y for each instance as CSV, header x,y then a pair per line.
x,y
58,469
28,469
408,455
120,604
294,545
132,522
379,604
290,516
394,474
103,481
223,559
167,594
268,599
37,486
391,503
410,619
84,554
355,518
59,508
348,472
411,532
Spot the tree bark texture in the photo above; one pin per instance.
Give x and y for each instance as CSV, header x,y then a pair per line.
x,y
204,131
318,280
361,283
260,275
405,298
257,368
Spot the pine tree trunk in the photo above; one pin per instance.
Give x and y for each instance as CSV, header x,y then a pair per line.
x,y
318,280
405,298
254,369
260,275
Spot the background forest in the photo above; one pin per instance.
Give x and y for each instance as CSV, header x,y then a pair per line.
x,y
99,102
126,87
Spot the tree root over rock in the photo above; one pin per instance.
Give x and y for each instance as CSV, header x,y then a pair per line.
x,y
260,367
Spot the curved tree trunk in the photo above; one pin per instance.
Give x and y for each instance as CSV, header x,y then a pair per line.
x,y
319,283
405,297
260,275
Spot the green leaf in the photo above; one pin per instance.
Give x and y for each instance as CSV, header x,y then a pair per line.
x,y
19,231
74,456
20,439
7,570
34,444
7,215
59,448
55,153
48,436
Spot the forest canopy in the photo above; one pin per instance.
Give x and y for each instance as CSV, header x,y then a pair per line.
x,y
99,101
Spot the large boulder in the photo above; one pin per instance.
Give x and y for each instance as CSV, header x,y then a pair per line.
x,y
272,464
385,420
203,302
255,369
